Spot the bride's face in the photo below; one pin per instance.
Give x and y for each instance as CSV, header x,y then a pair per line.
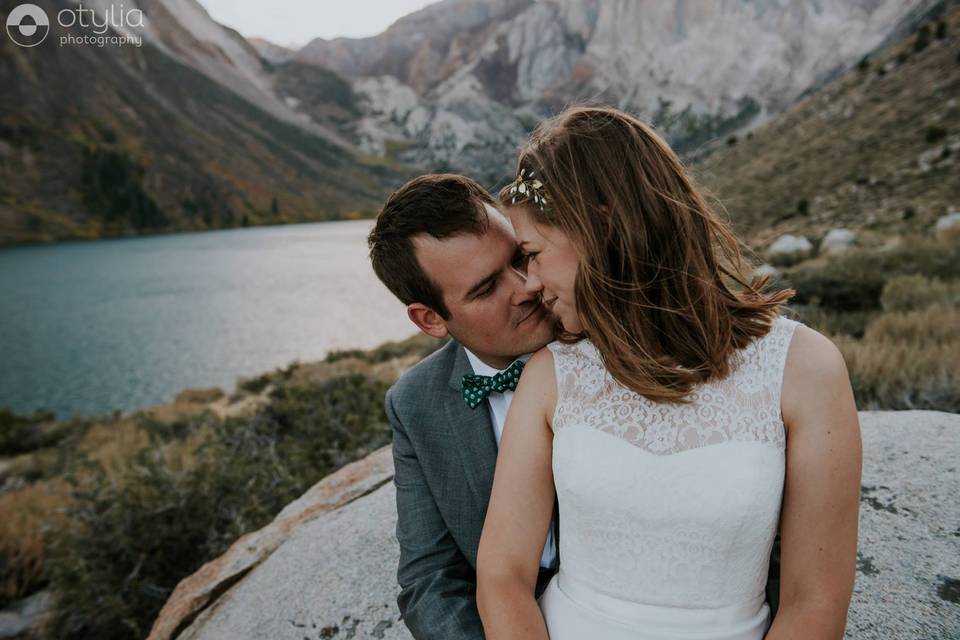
x,y
551,266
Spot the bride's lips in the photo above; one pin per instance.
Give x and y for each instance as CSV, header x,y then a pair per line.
x,y
549,303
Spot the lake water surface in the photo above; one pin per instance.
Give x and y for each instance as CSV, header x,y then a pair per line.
x,y
88,327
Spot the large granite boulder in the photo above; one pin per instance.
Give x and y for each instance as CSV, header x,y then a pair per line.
x,y
326,567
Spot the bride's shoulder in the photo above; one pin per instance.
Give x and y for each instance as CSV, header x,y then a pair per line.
x,y
811,352
814,371
565,350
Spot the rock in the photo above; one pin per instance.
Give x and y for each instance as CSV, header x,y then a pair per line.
x,y
948,224
837,241
209,589
766,269
790,245
326,567
24,615
909,546
687,62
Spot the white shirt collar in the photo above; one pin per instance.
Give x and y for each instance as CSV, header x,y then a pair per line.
x,y
482,368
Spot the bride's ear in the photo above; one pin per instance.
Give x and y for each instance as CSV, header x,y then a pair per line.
x,y
428,320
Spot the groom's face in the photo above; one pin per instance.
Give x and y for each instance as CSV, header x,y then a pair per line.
x,y
491,313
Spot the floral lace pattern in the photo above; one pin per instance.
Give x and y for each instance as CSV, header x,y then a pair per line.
x,y
744,406
685,516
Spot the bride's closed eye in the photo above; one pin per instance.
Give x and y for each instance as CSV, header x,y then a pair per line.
x,y
521,259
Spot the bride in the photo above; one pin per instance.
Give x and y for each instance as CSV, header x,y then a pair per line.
x,y
681,421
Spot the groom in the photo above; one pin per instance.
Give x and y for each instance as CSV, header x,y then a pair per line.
x,y
442,247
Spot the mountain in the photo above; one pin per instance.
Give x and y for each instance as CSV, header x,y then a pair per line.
x,y
875,151
200,128
458,84
183,132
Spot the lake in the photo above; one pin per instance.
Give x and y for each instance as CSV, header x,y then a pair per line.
x,y
89,327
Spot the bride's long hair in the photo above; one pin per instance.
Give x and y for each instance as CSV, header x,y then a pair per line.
x,y
661,288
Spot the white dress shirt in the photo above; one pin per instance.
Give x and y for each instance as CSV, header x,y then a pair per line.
x,y
499,404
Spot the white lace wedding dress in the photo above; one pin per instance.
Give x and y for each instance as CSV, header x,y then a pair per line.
x,y
667,512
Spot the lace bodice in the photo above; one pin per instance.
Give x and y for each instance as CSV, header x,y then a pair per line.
x,y
671,505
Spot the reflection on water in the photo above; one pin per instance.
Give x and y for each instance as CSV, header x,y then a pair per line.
x,y
88,327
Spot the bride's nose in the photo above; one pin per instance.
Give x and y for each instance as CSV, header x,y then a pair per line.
x,y
532,284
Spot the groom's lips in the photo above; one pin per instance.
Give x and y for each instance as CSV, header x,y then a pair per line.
x,y
536,308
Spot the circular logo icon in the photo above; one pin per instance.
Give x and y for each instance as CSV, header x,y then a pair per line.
x,y
27,25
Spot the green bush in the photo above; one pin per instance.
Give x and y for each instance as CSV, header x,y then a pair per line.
x,y
915,292
837,323
855,281
844,285
134,535
420,345
20,434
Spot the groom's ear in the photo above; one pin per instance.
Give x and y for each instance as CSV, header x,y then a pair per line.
x,y
427,319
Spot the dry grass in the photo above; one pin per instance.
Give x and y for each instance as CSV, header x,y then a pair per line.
x,y
855,154
28,516
907,360
914,291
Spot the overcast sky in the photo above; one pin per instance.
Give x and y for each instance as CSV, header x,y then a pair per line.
x,y
296,22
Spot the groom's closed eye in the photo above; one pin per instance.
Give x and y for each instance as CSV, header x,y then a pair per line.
x,y
483,288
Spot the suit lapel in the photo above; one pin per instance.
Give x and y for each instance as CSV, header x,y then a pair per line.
x,y
471,432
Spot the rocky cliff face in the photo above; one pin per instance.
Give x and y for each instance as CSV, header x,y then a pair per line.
x,y
326,567
459,83
873,150
186,131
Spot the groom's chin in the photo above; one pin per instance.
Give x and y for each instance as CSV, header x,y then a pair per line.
x,y
540,329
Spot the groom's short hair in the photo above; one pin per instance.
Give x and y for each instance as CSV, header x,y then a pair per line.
x,y
438,204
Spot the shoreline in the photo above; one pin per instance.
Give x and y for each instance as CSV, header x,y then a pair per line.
x,y
94,236
244,398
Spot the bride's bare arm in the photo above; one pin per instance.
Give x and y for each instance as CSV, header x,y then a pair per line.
x,y
520,510
821,492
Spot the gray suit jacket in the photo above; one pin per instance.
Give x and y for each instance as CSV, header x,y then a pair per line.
x,y
444,457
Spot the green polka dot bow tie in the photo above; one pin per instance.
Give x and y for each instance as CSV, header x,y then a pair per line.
x,y
477,387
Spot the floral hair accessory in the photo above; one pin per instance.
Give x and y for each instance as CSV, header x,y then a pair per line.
x,y
527,186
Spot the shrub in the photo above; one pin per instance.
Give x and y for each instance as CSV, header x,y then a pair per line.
x,y
136,530
420,345
843,285
855,280
935,134
907,360
915,292
846,323
19,434
30,515
320,428
923,38
255,384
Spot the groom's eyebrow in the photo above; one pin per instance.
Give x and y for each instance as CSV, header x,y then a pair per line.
x,y
480,285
